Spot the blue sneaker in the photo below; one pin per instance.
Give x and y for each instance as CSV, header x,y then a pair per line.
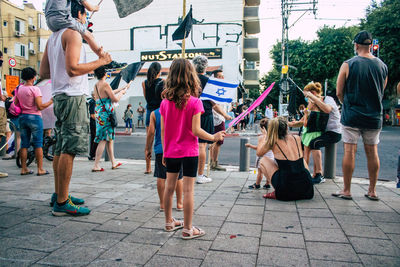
x,y
69,209
75,200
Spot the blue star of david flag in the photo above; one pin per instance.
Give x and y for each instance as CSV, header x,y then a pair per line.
x,y
219,91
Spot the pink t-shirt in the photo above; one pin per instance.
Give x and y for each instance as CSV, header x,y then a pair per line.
x,y
26,98
179,141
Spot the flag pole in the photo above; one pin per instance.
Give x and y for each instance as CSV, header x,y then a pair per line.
x,y
184,39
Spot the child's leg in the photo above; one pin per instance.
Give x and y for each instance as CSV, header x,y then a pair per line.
x,y
89,38
169,195
188,201
179,194
160,191
259,176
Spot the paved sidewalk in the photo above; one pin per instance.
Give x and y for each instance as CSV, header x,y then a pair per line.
x,y
243,229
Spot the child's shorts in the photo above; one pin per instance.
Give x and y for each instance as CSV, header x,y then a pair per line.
x,y
56,23
160,171
189,165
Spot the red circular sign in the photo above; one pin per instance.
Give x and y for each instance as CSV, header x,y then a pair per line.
x,y
12,62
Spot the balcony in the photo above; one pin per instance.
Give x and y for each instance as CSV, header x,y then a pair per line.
x,y
251,20
252,2
251,51
251,78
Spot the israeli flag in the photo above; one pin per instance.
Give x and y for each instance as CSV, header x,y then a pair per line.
x,y
219,91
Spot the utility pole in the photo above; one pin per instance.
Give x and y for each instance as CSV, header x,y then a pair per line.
x,y
289,6
184,39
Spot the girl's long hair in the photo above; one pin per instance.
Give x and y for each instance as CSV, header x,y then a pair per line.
x,y
182,82
154,70
277,130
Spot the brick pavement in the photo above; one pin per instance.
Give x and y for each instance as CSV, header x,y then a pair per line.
x,y
243,229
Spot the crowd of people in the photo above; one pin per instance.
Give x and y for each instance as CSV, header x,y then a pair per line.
x,y
179,125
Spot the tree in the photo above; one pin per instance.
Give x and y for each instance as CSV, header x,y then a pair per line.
x,y
383,21
313,61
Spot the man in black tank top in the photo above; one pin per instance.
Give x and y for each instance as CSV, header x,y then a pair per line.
x,y
360,87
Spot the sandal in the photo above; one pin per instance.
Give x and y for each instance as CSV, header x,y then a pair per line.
x,y
190,233
27,173
173,225
100,170
179,209
342,196
375,198
270,195
116,166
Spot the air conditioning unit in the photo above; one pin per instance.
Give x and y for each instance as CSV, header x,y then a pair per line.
x,y
32,51
32,27
18,34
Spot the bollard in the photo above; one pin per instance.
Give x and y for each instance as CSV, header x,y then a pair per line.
x,y
244,162
330,161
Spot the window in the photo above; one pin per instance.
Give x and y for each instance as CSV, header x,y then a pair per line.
x,y
42,22
21,50
5,50
31,46
42,44
30,21
20,26
5,23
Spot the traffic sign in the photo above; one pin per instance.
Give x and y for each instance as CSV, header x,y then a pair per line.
x,y
12,62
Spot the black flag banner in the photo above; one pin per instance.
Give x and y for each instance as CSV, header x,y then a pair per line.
x,y
127,74
184,28
127,7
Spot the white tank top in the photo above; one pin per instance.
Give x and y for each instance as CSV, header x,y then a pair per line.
x,y
61,82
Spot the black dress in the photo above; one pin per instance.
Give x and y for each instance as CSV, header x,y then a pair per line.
x,y
292,181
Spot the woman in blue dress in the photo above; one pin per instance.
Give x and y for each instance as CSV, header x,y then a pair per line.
x,y
105,133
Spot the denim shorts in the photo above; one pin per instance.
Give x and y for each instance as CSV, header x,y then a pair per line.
x,y
31,125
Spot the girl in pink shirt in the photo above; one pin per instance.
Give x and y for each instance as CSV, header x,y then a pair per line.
x,y
180,129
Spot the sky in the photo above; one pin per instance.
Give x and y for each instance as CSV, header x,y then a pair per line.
x,y
329,12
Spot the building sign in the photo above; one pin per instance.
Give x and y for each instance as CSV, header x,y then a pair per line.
x,y
11,83
169,55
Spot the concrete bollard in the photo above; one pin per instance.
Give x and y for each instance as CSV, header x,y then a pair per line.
x,y
330,161
244,162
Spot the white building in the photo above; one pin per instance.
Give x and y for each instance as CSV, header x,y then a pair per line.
x,y
221,32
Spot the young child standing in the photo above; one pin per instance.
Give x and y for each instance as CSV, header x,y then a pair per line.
x,y
160,171
269,154
180,127
58,16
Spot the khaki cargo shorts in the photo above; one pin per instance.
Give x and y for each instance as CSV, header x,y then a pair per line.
x,y
3,121
369,136
72,125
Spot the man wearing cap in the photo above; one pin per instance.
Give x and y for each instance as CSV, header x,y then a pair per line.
x,y
360,87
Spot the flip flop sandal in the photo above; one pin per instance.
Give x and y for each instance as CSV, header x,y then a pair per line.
x,y
179,209
147,172
161,210
116,166
41,174
27,173
173,225
374,198
190,233
101,170
342,196
270,195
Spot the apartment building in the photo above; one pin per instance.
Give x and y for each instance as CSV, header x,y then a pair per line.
x,y
23,36
225,31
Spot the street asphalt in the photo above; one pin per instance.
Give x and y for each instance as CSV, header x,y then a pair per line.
x,y
125,227
132,147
